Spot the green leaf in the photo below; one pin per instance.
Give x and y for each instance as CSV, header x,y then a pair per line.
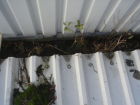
x,y
67,29
80,27
65,24
78,22
69,23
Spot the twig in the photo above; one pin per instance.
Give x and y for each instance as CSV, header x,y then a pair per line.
x,y
57,49
26,71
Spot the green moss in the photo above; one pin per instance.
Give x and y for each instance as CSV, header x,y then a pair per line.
x,y
36,95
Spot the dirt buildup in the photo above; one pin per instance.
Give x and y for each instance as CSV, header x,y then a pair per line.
x,y
40,93
109,55
129,62
80,44
136,74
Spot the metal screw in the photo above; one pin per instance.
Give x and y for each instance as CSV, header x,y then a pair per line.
x,y
69,66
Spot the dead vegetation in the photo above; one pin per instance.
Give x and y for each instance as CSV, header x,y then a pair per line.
x,y
112,41
106,43
28,93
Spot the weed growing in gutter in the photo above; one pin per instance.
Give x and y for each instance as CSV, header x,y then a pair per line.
x,y
31,94
76,28
80,44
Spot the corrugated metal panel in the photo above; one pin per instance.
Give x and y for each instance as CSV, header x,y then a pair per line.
x,y
0,40
33,17
81,79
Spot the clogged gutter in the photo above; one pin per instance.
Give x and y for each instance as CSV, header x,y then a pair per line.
x,y
80,44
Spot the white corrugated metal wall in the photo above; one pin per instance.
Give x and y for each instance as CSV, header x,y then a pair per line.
x,y
33,17
81,79
90,79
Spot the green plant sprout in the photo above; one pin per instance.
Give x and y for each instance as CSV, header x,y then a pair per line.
x,y
67,27
78,27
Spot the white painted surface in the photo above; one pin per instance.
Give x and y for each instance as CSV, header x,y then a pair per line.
x,y
22,14
81,79
0,40
47,17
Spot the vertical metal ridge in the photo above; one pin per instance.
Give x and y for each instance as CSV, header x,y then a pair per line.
x,y
136,55
0,40
32,15
18,23
88,12
47,12
57,79
22,15
8,81
35,15
5,27
124,79
110,15
39,12
103,79
29,6
65,5
135,7
83,99
32,68
59,15
9,17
